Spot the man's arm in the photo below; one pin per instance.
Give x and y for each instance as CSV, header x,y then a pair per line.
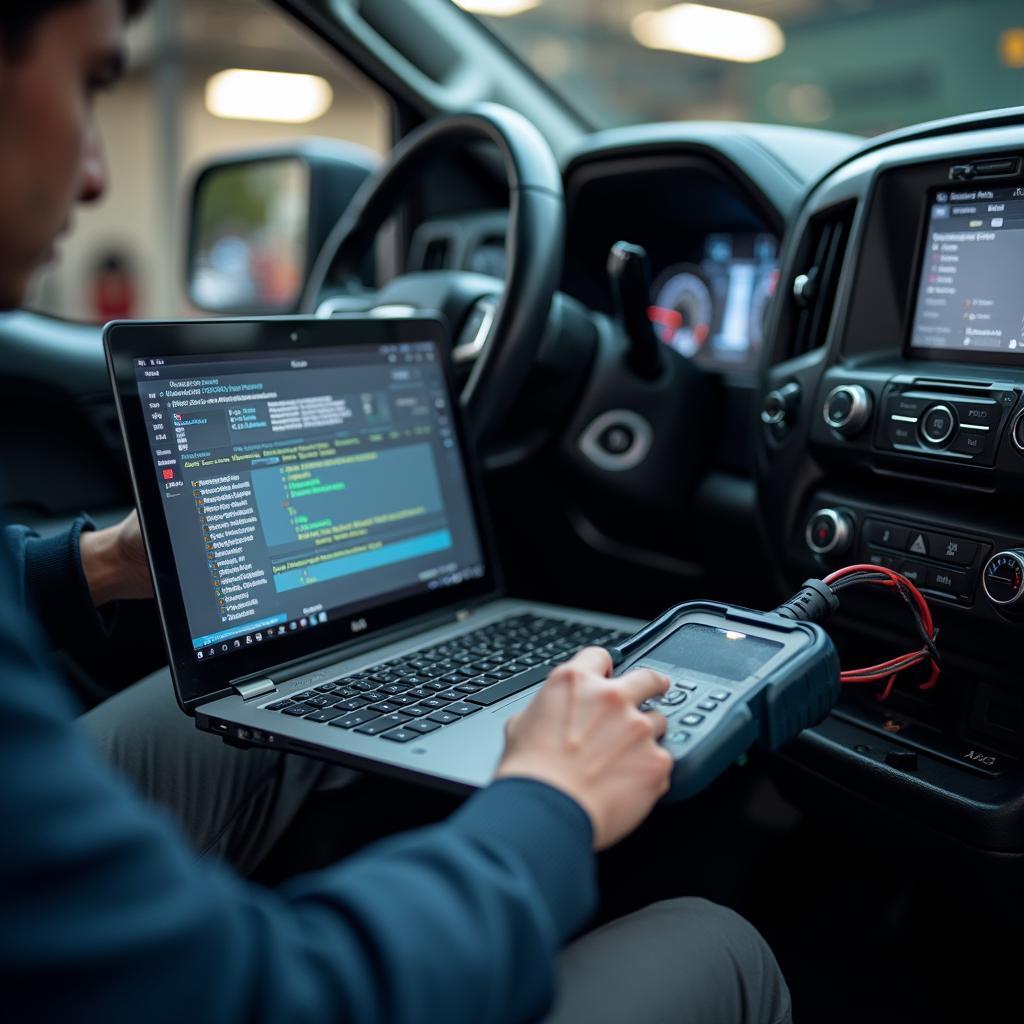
x,y
105,914
67,578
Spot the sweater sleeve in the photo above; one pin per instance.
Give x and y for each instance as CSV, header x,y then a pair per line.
x,y
52,583
105,912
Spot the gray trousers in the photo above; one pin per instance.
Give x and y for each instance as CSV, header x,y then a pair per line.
x,y
683,961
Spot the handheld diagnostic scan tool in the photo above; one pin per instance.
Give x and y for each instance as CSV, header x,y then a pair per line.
x,y
738,678
741,678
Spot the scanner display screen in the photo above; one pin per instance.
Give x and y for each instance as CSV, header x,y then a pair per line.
x,y
719,653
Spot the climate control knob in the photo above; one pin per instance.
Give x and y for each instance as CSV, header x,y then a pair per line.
x,y
829,532
1003,579
847,409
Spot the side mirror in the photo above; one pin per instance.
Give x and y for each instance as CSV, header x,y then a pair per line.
x,y
258,220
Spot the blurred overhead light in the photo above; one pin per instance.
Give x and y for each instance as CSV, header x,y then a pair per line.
x,y
498,8
709,32
1011,47
267,96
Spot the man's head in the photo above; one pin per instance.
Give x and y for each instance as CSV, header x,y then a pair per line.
x,y
55,55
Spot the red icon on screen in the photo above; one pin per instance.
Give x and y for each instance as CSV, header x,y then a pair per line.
x,y
168,474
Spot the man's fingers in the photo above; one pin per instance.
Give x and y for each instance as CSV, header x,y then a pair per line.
x,y
657,722
642,683
592,659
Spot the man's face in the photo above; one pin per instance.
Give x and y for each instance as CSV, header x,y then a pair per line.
x,y
51,156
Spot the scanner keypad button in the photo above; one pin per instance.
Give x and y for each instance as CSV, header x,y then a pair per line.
x,y
692,719
708,705
719,695
673,697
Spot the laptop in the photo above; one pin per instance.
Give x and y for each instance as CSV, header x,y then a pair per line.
x,y
320,548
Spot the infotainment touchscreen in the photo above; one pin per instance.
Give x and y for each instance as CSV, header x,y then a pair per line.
x,y
969,294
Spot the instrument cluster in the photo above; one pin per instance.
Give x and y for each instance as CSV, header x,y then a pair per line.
x,y
714,310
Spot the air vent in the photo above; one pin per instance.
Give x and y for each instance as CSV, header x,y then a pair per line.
x,y
814,287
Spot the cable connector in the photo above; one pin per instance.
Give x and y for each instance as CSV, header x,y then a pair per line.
x,y
814,602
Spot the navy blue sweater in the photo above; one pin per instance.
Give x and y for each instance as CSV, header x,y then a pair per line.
x,y
107,915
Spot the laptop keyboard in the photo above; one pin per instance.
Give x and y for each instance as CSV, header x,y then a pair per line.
x,y
430,689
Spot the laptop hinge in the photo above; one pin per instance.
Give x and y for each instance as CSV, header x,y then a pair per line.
x,y
255,688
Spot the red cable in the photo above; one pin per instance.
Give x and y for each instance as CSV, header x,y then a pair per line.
x,y
889,670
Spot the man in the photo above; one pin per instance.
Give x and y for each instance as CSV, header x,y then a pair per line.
x,y
107,914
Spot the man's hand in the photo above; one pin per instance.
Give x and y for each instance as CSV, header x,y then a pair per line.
x,y
583,734
115,563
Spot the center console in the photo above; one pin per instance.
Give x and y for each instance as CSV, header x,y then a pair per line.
x,y
892,432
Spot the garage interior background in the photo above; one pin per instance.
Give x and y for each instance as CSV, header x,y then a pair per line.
x,y
862,66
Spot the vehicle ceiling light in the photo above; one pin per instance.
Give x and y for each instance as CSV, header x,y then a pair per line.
x,y
268,96
498,8
709,32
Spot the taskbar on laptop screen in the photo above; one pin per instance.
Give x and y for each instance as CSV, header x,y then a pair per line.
x,y
301,487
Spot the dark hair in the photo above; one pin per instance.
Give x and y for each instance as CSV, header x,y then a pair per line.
x,y
18,21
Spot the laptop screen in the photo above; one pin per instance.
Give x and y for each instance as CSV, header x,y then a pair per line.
x,y
305,485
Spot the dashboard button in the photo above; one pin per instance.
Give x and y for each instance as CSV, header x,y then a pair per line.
x,y
915,572
903,406
847,409
905,760
918,543
903,432
970,442
839,407
1017,432
979,414
954,550
885,535
828,531
948,581
937,425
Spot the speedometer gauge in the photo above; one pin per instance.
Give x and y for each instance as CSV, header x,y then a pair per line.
x,y
683,309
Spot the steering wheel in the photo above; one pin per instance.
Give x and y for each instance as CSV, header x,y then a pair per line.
x,y
499,325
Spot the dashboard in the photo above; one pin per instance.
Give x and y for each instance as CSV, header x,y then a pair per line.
x,y
712,245
847,327
711,239
892,432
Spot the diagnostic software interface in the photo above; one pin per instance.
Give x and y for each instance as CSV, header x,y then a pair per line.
x,y
300,486
969,296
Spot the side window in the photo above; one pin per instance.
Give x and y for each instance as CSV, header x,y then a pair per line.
x,y
182,103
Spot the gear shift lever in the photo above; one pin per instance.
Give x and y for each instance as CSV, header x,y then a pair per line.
x,y
629,275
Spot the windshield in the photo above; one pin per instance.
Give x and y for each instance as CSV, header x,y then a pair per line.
x,y
863,66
